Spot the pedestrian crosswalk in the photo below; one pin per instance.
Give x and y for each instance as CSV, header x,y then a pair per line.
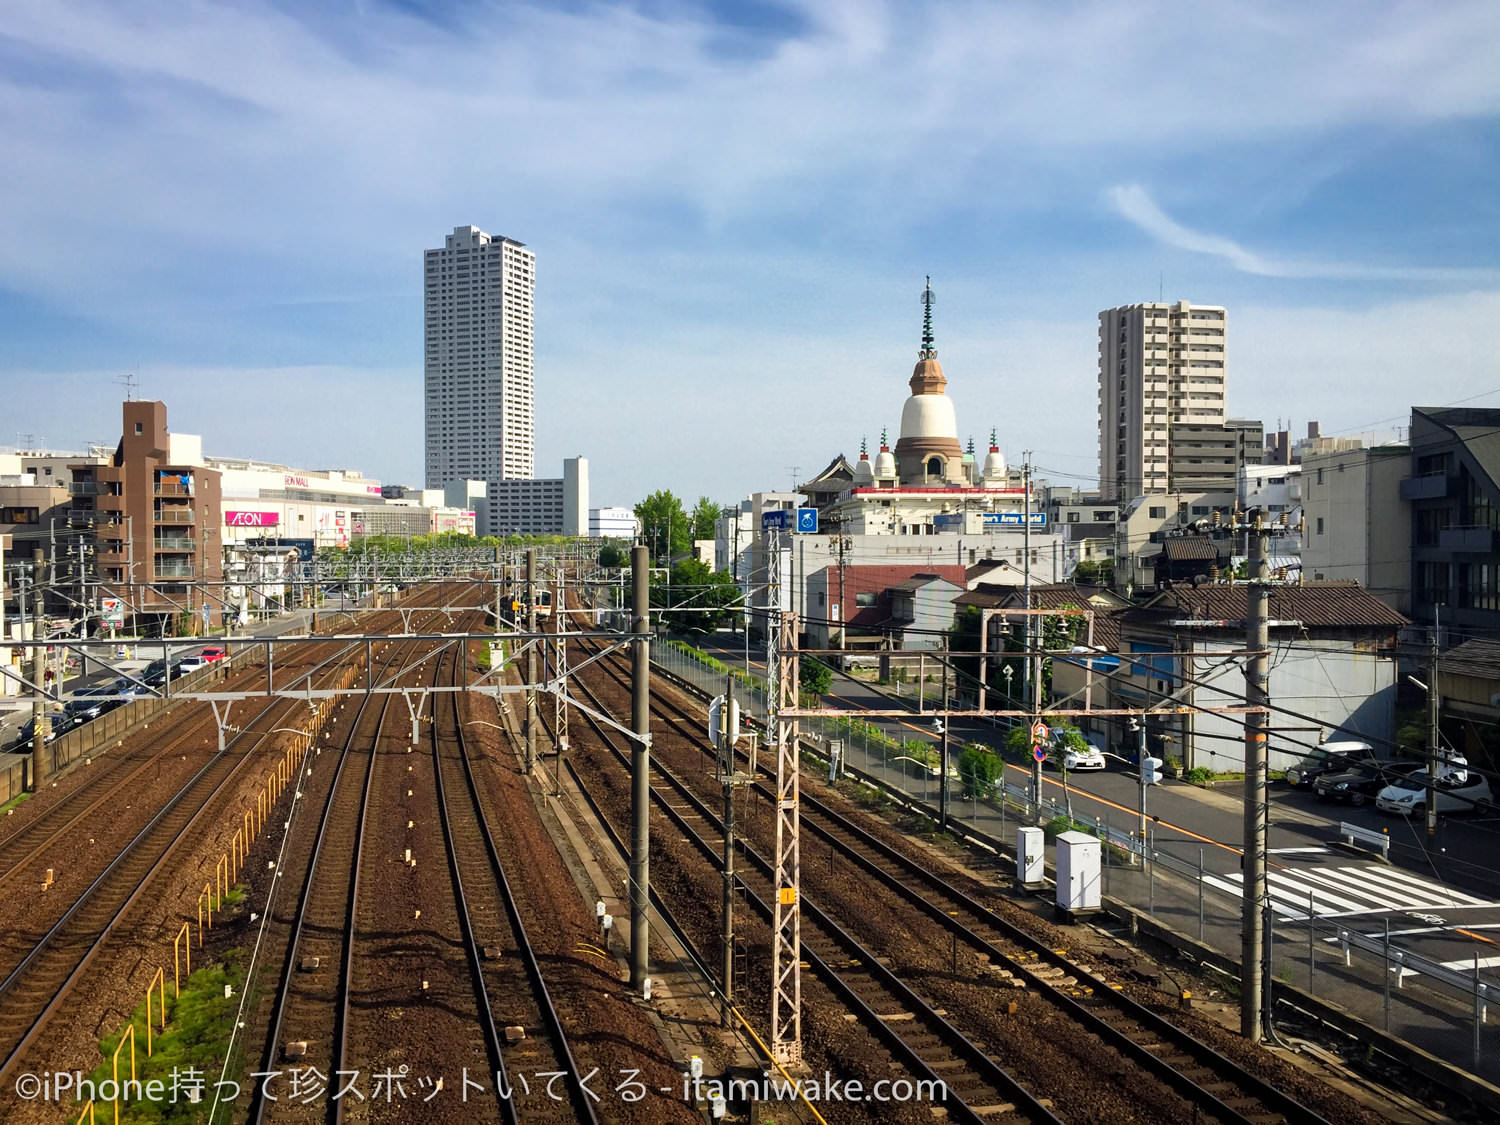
x,y
1347,891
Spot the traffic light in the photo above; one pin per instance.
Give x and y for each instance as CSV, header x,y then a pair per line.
x,y
1150,771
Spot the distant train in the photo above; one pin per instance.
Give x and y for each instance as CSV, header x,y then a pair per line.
x,y
544,603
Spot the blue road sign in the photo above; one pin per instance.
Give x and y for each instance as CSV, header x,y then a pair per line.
x,y
807,521
780,520
1039,753
1013,519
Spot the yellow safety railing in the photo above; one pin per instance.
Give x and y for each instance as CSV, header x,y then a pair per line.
x,y
184,960
158,982
114,1063
86,1114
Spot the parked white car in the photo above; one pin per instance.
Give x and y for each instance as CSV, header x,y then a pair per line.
x,y
1408,797
1091,757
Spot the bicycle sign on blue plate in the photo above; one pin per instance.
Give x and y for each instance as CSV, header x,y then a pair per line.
x,y
1039,753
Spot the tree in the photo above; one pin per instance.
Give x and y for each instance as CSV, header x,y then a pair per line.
x,y
814,677
695,588
611,557
664,526
705,518
1091,572
979,768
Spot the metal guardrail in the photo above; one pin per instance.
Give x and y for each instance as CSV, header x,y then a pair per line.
x,y
1350,833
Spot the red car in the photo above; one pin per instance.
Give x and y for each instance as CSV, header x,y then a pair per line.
x,y
214,654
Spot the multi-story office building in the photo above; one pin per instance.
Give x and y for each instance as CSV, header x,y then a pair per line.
x,y
1160,365
478,361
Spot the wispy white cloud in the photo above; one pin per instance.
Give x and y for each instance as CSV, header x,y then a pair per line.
x,y
1134,203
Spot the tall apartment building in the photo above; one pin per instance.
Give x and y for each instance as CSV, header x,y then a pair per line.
x,y
477,298
1159,365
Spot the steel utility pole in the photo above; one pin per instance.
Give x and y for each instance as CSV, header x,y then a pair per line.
x,y
943,758
1026,572
1434,702
1036,715
640,766
1257,677
531,647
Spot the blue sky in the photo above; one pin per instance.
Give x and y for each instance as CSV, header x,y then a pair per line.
x,y
733,207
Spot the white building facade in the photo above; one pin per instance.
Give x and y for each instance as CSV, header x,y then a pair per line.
x,y
478,373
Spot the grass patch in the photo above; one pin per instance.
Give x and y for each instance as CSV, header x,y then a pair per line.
x,y
199,1023
13,802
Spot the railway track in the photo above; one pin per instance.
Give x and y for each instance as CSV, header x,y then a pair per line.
x,y
331,981
1217,1087
35,988
1214,1083
917,1035
500,954
312,999
105,786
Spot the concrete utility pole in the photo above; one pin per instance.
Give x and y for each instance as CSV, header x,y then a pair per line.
x,y
531,647
1257,678
726,769
1434,702
640,765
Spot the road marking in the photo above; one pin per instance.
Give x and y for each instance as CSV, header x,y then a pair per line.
x,y
1297,851
1471,963
1343,892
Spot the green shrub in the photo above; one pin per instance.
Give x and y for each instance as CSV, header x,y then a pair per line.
x,y
1199,775
979,768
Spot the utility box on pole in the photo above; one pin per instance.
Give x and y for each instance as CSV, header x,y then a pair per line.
x,y
1031,855
1078,887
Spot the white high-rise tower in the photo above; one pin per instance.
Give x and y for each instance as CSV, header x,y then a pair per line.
x,y
1160,366
478,360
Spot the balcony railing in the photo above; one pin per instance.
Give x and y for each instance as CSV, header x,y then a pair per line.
x,y
170,571
85,488
173,543
1433,486
173,488
174,515
1470,540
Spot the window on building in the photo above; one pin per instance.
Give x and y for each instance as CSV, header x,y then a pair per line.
x,y
865,600
1158,513
1320,525
139,429
1072,517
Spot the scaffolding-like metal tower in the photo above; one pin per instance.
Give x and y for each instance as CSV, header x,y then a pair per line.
x,y
786,924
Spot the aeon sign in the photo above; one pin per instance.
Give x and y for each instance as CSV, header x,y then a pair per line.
x,y
293,480
251,519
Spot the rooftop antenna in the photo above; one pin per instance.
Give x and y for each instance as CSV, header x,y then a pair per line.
x,y
929,298
30,441
796,471
128,381
1161,287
